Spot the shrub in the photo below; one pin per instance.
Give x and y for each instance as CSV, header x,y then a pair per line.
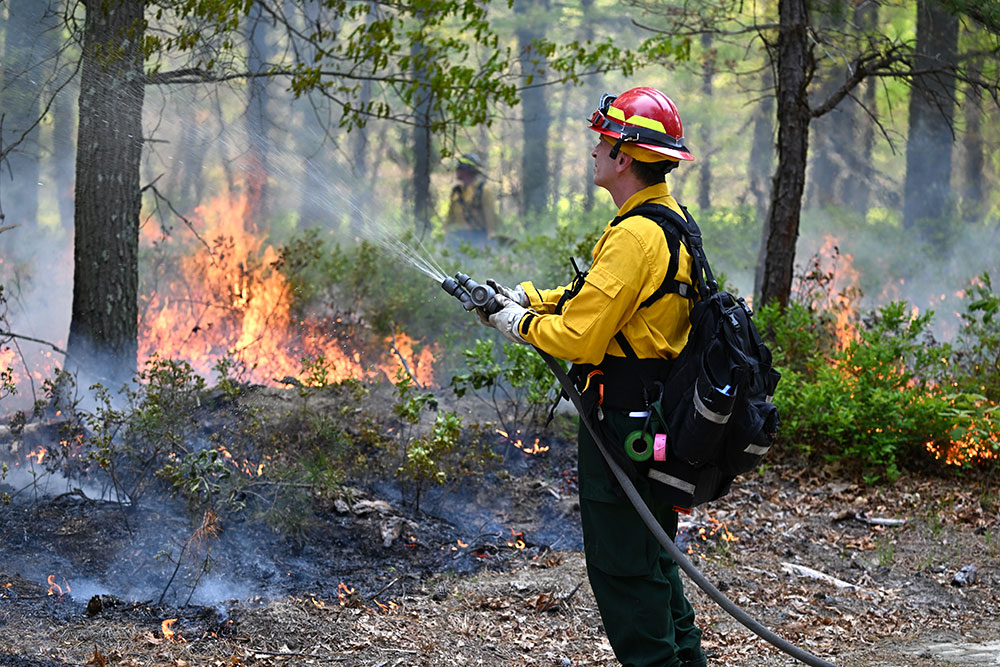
x,y
519,389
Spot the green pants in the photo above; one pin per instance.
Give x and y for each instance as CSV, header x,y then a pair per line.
x,y
637,584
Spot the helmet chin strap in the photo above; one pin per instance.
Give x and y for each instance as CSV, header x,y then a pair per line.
x,y
618,144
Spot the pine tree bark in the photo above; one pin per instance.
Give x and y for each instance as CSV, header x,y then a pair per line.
x,y
20,107
927,191
774,282
534,106
103,331
705,157
975,154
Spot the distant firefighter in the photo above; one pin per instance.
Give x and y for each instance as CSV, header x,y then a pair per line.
x,y
472,214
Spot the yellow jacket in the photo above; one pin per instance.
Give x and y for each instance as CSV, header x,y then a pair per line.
x,y
629,263
473,207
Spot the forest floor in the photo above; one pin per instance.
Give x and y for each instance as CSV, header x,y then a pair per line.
x,y
906,574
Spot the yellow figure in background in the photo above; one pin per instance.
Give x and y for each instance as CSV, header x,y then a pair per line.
x,y
472,213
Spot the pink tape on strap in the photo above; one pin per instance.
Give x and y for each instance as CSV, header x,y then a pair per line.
x,y
660,447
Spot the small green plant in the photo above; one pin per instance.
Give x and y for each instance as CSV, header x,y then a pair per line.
x,y
978,352
520,389
426,457
875,402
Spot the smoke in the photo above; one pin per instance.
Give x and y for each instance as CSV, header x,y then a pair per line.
x,y
894,265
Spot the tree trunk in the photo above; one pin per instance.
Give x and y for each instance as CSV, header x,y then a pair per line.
x,y
535,155
705,151
104,326
421,146
774,283
19,104
593,88
927,192
833,132
858,187
257,122
975,154
761,162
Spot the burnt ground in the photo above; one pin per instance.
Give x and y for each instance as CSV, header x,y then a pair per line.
x,y
491,573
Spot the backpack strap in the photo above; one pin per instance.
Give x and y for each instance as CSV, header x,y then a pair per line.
x,y
677,230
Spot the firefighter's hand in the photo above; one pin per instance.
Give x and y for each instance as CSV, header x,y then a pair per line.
x,y
515,294
507,319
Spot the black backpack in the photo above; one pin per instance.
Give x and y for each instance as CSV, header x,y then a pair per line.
x,y
714,403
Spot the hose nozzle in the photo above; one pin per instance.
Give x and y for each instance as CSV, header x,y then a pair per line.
x,y
471,294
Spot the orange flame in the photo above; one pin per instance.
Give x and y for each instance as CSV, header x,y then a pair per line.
x,y
168,633
56,589
38,454
535,448
236,302
344,592
517,540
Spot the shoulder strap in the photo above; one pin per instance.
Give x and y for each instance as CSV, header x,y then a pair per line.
x,y
677,230
686,230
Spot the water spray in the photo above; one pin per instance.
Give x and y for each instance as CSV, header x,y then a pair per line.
x,y
483,297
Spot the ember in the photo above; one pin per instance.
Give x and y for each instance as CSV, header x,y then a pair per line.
x,y
535,448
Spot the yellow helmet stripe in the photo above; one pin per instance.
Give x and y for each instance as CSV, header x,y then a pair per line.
x,y
649,123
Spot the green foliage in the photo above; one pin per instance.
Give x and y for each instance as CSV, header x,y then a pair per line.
x,y
892,395
979,339
411,403
426,456
198,476
519,389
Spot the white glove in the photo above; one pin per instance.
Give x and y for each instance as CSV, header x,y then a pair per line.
x,y
507,319
515,294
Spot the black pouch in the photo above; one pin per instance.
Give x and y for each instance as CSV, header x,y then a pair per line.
x,y
698,424
754,430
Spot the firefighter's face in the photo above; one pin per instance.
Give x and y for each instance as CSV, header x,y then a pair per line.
x,y
465,175
604,166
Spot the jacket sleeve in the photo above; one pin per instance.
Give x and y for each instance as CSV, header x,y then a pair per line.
x,y
545,300
584,330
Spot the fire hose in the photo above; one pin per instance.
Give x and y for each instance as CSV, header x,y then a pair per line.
x,y
473,295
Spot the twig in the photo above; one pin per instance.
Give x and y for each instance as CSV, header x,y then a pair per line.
x,y
385,588
804,571
328,658
566,599
406,366
878,521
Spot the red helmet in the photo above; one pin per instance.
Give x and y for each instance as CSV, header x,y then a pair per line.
x,y
642,118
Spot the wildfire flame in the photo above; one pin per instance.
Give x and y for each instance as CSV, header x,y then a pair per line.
x,y
56,589
535,448
704,534
168,633
344,593
38,455
233,300
517,540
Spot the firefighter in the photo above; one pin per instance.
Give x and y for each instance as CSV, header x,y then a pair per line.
x,y
618,304
472,213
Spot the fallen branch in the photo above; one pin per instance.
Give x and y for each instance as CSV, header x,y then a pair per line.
x,y
328,658
804,571
878,521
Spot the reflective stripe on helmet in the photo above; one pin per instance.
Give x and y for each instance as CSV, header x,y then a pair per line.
x,y
649,123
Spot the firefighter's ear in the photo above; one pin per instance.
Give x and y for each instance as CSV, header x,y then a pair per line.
x,y
624,162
